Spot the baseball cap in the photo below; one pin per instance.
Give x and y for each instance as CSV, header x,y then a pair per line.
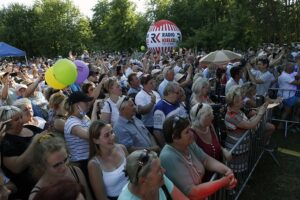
x,y
20,86
78,96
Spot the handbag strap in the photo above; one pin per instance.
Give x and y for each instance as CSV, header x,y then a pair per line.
x,y
167,194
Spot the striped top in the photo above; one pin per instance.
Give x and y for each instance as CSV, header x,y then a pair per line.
x,y
78,147
232,120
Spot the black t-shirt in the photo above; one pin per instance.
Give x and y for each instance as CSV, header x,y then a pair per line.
x,y
13,145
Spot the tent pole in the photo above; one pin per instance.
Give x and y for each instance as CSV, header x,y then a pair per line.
x,y
26,60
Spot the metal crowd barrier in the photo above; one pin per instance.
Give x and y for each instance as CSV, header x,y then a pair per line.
x,y
252,153
286,122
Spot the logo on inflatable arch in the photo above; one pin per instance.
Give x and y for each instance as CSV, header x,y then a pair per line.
x,y
163,36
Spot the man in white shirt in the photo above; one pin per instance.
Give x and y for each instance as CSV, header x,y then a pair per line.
x,y
288,82
146,100
261,77
235,78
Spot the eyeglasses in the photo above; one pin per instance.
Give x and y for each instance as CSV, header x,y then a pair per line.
x,y
124,100
176,119
142,161
233,96
59,164
200,105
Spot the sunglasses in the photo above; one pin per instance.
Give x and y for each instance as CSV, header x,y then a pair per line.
x,y
124,100
142,161
59,164
176,120
200,105
95,73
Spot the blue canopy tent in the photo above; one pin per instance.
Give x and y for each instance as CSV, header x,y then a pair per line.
x,y
6,50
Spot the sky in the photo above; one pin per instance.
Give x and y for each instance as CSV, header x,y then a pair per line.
x,y
85,6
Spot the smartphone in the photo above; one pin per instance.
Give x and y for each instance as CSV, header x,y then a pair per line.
x,y
13,74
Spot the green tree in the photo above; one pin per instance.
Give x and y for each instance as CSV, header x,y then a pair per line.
x,y
117,25
16,23
60,28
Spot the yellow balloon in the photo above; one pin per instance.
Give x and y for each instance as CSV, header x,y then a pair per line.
x,y
51,81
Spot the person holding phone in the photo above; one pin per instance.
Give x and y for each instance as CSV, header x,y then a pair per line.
x,y
76,129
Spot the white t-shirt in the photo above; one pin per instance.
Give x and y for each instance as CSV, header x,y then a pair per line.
x,y
284,82
231,83
111,107
267,78
143,98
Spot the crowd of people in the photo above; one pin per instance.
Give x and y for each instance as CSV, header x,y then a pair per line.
x,y
139,127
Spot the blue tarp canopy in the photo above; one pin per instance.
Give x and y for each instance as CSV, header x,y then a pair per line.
x,y
7,50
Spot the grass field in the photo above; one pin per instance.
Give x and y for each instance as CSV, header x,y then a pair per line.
x,y
270,182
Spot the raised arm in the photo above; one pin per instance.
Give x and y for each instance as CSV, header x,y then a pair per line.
x,y
252,123
30,90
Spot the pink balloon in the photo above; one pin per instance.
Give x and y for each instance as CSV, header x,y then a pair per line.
x,y
82,71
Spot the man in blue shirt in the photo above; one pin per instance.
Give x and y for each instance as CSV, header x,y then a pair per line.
x,y
130,130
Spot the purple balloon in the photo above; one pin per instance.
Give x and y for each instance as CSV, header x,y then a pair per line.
x,y
82,70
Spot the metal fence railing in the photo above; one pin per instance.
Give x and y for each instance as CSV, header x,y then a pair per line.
x,y
249,152
280,92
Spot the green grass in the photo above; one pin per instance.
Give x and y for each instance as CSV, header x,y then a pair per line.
x,y
270,182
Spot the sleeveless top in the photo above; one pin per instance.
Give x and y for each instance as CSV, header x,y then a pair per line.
x,y
114,180
213,149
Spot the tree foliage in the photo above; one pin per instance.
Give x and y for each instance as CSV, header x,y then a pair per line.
x,y
117,25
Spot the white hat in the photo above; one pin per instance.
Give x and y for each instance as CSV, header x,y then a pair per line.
x,y
155,71
20,86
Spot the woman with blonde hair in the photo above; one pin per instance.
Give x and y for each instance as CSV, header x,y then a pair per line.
x,y
34,123
200,91
110,112
107,161
17,151
147,179
50,165
237,124
205,134
59,114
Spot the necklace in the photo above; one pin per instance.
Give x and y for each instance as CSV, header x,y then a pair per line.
x,y
203,132
193,170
